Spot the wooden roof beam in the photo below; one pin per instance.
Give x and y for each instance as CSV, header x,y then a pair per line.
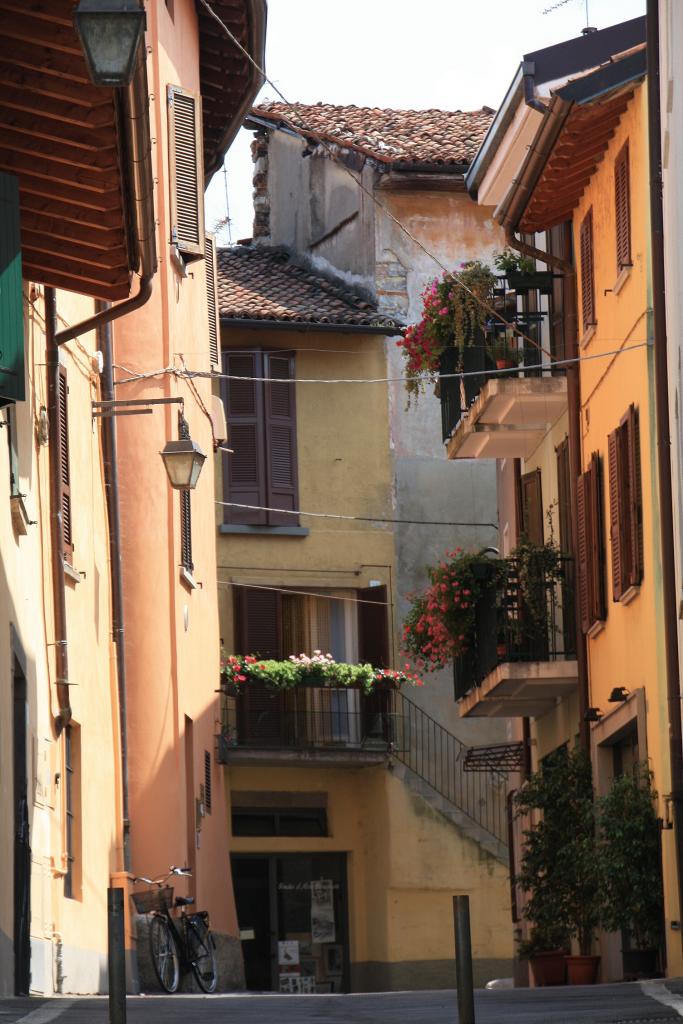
x,y
56,88
50,189
88,140
48,108
40,274
67,232
42,60
94,182
14,141
35,31
99,220
107,259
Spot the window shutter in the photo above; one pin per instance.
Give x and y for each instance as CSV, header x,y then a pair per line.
x,y
12,387
258,622
212,298
596,552
587,271
186,171
615,514
622,204
208,794
281,461
563,495
584,533
64,468
244,474
373,627
186,531
532,507
635,516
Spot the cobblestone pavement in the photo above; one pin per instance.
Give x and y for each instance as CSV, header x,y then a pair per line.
x,y
601,1004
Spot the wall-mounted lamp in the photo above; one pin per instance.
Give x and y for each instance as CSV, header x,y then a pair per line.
x,y
618,695
183,459
110,32
592,715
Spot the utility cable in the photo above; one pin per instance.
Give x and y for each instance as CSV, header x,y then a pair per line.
x,y
303,593
355,519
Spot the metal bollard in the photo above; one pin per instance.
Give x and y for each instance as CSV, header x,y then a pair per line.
x,y
117,956
463,959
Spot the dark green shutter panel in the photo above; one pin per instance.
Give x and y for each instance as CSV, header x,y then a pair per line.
x,y
11,309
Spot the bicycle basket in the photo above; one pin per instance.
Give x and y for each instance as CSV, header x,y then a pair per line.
x,y
153,899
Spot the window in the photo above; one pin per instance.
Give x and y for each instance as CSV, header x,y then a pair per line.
x,y
290,821
186,172
72,833
626,515
262,471
587,271
531,506
207,782
212,297
591,553
186,532
64,468
622,205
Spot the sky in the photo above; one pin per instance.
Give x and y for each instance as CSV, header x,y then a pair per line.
x,y
448,54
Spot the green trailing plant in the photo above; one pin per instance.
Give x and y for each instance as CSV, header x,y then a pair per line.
x,y
508,261
540,567
319,670
629,844
561,870
505,349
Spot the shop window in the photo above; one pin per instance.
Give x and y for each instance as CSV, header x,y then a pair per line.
x,y
290,821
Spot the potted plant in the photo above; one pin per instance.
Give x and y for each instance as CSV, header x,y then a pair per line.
x,y
505,353
629,839
545,950
520,272
560,870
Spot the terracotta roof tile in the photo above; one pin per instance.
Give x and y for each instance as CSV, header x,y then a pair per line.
x,y
263,283
433,137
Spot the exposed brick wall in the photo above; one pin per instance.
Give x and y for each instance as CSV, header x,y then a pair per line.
x,y
259,154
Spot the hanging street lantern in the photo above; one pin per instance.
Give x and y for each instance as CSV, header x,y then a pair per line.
x,y
110,32
183,459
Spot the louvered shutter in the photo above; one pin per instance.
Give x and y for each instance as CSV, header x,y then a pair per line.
x,y
635,498
373,627
186,531
258,622
596,553
244,473
587,271
532,507
583,508
563,495
615,514
281,455
622,204
186,171
212,298
64,467
12,386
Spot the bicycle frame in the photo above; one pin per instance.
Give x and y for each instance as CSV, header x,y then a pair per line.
x,y
180,933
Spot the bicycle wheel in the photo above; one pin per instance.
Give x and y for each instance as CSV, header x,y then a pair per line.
x,y
164,952
202,953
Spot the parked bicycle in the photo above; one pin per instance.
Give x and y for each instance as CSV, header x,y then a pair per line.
x,y
177,943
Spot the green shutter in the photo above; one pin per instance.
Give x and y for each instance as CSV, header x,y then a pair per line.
x,y
11,309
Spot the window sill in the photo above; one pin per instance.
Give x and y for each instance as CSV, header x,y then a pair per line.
x,y
588,335
187,579
71,574
629,594
622,278
596,629
264,531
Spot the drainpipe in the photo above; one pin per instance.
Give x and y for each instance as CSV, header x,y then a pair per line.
x,y
664,438
56,526
528,72
111,483
566,267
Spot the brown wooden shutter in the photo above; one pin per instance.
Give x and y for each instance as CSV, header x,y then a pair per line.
x,y
615,514
622,204
532,507
587,271
631,427
186,531
373,627
212,298
258,622
186,171
244,471
596,553
281,458
584,533
208,788
64,467
564,496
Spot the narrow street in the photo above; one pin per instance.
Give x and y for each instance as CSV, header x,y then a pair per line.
x,y
603,1004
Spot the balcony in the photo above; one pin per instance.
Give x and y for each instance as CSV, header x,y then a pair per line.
x,y
523,658
498,411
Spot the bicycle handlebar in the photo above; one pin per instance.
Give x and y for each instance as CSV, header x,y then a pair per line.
x,y
184,872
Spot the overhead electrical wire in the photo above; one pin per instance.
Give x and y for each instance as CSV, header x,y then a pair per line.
x,y
356,519
304,593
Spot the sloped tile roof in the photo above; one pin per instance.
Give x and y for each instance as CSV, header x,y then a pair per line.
x,y
266,284
432,137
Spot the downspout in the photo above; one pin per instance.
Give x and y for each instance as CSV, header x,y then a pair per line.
x,y
56,526
664,438
566,267
528,73
111,483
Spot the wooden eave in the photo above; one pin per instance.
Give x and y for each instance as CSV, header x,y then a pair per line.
x,y
60,136
228,80
575,157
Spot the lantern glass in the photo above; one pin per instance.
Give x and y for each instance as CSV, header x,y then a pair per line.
x,y
110,32
183,460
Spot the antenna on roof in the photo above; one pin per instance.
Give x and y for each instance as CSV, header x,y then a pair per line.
x,y
563,3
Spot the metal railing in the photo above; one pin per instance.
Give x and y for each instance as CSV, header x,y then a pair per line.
x,y
520,623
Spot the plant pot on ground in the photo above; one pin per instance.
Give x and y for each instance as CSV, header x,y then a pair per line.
x,y
549,968
640,963
582,970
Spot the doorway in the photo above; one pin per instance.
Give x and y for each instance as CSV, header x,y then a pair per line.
x,y
22,846
293,912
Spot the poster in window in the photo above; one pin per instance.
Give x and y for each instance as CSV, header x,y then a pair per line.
x,y
322,911
288,953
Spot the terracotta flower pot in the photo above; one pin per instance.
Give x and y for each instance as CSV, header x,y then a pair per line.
x,y
548,968
582,970
504,364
